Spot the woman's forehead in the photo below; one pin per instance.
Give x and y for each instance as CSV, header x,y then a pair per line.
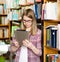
x,y
26,17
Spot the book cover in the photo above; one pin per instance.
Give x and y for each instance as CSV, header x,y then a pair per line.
x,y
48,37
49,34
39,10
58,36
36,10
53,37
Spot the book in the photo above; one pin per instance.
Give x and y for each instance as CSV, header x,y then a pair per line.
x,y
1,33
22,2
30,1
38,0
58,36
39,10
36,10
58,59
52,58
51,38
15,15
48,33
48,58
13,28
1,9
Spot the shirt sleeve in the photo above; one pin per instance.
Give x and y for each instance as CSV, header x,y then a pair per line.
x,y
39,43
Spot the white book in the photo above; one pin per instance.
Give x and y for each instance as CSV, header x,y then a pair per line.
x,y
1,9
9,16
6,33
1,33
58,36
6,21
9,3
30,1
22,2
51,10
39,10
3,20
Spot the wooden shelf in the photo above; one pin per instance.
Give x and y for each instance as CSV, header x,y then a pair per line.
x,y
50,1
51,20
1,3
52,48
15,24
15,20
4,38
15,8
3,15
48,50
28,4
3,26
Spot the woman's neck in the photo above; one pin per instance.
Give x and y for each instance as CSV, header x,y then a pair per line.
x,y
28,29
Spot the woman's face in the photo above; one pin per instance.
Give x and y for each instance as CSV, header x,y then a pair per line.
x,y
27,21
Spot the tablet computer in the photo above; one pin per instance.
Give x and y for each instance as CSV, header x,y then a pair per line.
x,y
21,35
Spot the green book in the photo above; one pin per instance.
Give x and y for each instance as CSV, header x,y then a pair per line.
x,y
13,29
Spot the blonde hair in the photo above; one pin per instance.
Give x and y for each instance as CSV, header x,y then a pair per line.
x,y
30,13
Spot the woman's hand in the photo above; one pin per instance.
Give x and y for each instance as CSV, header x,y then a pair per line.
x,y
16,44
31,46
28,44
14,47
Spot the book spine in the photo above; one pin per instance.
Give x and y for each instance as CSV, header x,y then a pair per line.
x,y
36,10
58,37
48,37
53,38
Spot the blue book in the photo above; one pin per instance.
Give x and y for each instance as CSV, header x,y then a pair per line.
x,y
53,37
15,15
55,57
36,10
48,36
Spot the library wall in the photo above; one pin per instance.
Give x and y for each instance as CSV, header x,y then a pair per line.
x,y
10,18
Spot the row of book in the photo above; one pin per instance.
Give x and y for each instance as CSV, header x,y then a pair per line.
x,y
49,10
16,14
53,58
37,8
52,36
15,3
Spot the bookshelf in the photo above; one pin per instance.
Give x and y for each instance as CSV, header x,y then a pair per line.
x,y
46,22
4,30
47,49
3,27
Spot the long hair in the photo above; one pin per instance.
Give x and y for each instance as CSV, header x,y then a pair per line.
x,y
30,13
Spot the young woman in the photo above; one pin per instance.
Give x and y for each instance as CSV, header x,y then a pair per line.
x,y
34,43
